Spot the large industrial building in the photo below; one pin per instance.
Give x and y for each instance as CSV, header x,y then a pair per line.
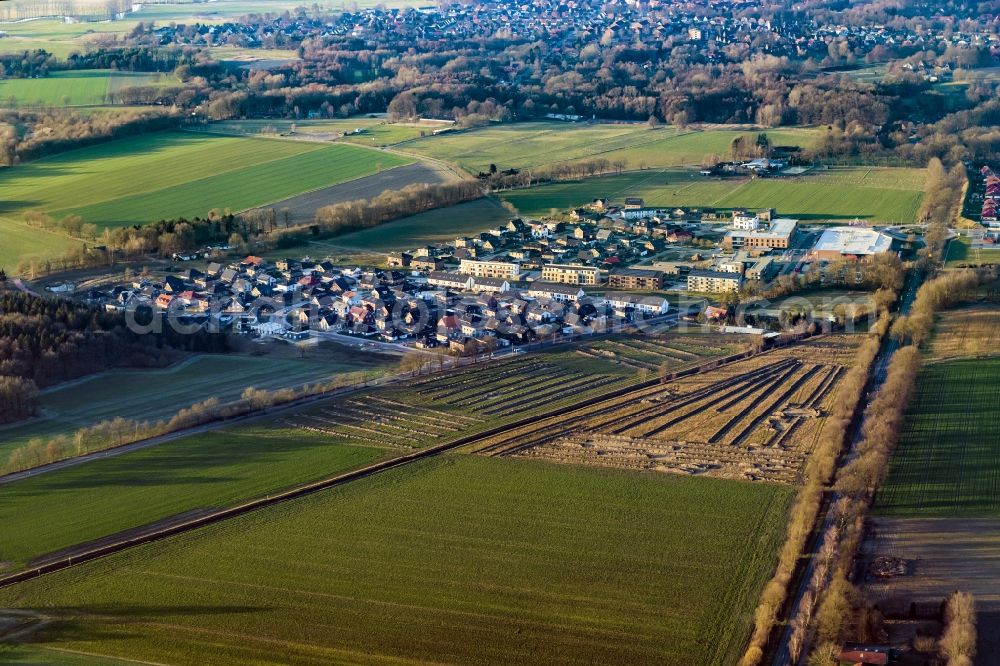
x,y
850,243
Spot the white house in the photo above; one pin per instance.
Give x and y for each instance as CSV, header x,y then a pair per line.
x,y
491,285
450,280
557,292
650,305
746,222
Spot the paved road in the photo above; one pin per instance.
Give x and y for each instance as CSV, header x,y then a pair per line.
x,y
19,283
783,655
370,345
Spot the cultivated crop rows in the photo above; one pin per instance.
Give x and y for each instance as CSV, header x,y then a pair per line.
x,y
753,419
946,461
650,353
512,387
437,409
377,421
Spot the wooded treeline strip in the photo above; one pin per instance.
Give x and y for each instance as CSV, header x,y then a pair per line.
x,y
121,431
958,641
65,130
818,473
842,611
390,205
44,341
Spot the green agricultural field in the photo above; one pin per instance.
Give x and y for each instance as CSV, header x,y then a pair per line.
x,y
75,88
22,655
458,559
59,49
869,74
171,174
150,395
21,242
946,461
442,224
58,89
217,469
55,36
883,195
76,505
57,29
539,144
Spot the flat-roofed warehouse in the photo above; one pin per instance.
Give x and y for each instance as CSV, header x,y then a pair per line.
x,y
850,243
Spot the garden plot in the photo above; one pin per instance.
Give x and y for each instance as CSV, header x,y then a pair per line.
x,y
373,420
517,386
752,419
654,352
434,410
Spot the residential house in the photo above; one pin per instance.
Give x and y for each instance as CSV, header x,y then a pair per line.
x,y
625,304
556,292
451,281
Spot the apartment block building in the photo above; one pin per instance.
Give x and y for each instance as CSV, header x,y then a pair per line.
x,y
503,270
713,282
636,279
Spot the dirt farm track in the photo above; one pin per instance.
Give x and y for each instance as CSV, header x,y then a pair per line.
x,y
303,207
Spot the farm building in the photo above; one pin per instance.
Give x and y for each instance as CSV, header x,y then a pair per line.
x,y
850,243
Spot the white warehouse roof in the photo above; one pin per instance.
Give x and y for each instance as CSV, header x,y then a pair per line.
x,y
857,241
